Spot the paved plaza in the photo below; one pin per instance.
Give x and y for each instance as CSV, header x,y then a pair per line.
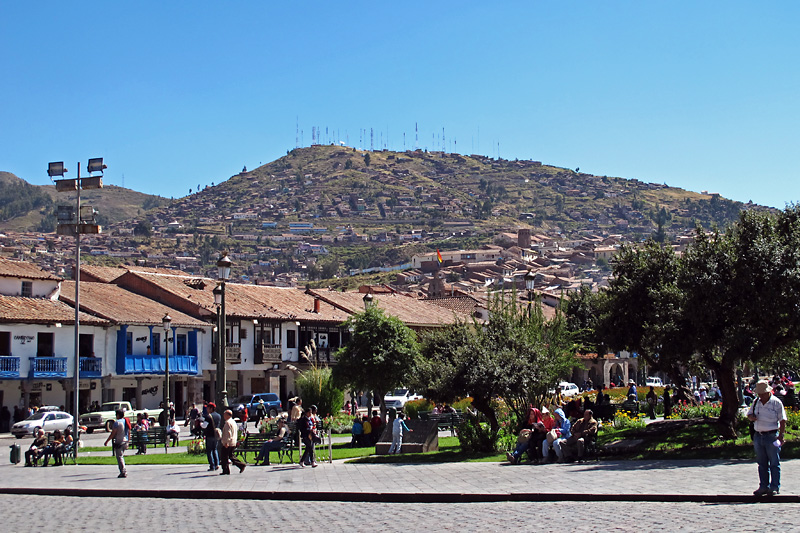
x,y
595,496
353,482
57,513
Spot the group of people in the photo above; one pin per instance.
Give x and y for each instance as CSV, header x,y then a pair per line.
x,y
549,437
366,431
57,448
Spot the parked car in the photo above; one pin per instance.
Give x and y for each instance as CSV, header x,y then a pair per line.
x,y
398,398
49,421
653,382
272,404
569,389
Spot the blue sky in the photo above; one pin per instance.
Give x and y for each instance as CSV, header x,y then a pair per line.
x,y
700,95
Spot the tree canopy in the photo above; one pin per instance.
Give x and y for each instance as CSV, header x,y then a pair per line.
x,y
517,356
731,298
383,354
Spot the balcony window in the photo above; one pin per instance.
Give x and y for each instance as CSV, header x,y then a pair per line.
x,y
180,344
129,342
86,345
5,343
44,347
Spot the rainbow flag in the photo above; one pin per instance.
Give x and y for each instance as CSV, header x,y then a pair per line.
x,y
439,256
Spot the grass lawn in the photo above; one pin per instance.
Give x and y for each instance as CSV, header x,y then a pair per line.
x,y
695,439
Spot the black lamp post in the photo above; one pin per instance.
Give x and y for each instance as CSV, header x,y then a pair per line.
x,y
530,281
82,220
369,301
223,274
167,321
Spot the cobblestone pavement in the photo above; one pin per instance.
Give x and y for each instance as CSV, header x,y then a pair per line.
x,y
56,513
605,477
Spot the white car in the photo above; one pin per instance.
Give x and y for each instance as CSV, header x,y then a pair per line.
x,y
49,421
398,398
569,389
653,382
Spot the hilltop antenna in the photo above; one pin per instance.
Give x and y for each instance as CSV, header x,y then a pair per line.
x,y
123,181
371,140
297,131
327,137
404,141
416,136
313,134
444,143
302,142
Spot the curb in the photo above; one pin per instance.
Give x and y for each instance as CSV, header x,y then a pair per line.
x,y
399,497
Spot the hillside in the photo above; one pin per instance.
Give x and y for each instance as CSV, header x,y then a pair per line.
x,y
332,186
26,207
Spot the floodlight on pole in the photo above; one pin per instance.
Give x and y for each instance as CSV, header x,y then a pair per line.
x,y
74,223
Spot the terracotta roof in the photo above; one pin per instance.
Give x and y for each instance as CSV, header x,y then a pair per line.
x,y
109,274
123,307
245,301
15,309
463,304
25,270
411,311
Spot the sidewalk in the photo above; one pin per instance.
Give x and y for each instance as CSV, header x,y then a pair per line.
x,y
659,481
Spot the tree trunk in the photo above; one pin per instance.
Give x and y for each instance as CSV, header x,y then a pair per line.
x,y
486,408
726,380
381,394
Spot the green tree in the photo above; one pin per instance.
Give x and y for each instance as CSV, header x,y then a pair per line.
x,y
516,357
383,354
143,228
367,159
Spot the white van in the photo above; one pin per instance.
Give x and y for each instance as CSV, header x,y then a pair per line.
x,y
654,382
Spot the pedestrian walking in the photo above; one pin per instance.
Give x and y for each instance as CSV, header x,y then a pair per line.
x,y
212,430
306,426
119,437
398,427
230,436
769,422
652,400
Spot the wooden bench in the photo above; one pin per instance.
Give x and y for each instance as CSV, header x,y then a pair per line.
x,y
150,437
252,443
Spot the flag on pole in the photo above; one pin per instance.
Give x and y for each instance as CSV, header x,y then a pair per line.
x,y
439,256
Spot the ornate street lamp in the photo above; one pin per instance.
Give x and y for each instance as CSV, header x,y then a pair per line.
x,y
223,274
166,321
369,301
530,281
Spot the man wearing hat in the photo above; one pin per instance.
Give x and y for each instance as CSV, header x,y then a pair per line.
x,y
769,420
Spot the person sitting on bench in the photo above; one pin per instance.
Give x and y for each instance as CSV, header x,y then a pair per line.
x,y
272,445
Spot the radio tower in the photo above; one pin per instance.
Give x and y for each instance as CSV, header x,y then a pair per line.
x,y
416,136
297,132
444,143
313,134
371,140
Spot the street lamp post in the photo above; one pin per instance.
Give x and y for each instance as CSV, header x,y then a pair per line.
x,y
369,301
530,281
167,321
75,223
223,274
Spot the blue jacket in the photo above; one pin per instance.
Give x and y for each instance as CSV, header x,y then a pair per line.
x,y
565,424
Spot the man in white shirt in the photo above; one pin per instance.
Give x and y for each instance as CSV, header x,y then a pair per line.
x,y
769,421
228,445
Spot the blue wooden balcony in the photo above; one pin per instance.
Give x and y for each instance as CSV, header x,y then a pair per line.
x,y
9,367
91,367
48,367
156,364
